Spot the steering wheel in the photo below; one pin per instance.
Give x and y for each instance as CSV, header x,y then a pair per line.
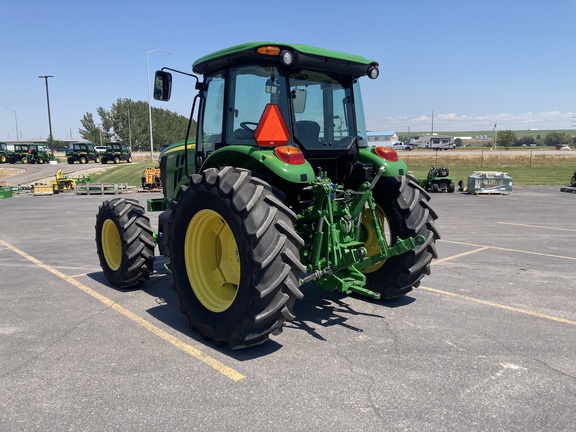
x,y
246,126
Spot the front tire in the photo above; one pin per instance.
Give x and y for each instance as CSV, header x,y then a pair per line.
x,y
404,210
235,257
124,242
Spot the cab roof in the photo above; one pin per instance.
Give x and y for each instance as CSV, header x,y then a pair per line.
x,y
305,56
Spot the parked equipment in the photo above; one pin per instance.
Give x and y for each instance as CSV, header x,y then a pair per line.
x,y
438,180
3,152
28,153
151,179
82,153
116,152
278,189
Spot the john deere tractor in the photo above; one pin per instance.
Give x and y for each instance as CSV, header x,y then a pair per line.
x,y
277,188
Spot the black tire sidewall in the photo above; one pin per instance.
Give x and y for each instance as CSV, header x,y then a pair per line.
x,y
395,277
125,276
203,197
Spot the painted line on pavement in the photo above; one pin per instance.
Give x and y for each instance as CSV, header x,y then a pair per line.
x,y
440,261
537,226
194,352
500,306
511,250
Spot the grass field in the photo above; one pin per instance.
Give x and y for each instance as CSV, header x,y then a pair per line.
x,y
125,173
525,169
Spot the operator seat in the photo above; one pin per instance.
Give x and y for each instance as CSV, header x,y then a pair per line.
x,y
308,132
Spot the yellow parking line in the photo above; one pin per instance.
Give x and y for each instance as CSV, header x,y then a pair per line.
x,y
196,353
440,261
511,250
500,306
537,226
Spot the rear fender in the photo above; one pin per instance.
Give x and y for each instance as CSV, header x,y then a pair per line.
x,y
260,161
391,168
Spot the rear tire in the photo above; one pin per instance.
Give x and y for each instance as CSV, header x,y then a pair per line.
x,y
124,242
573,181
235,257
70,160
405,209
451,187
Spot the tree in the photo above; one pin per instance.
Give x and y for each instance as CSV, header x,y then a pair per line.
x,y
458,142
91,132
556,138
128,122
505,139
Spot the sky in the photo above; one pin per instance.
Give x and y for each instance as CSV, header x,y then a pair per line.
x,y
469,64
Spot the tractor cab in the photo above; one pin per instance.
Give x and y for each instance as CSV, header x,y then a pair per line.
x,y
287,98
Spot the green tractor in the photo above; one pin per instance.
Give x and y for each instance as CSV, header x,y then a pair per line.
x,y
438,179
3,152
279,188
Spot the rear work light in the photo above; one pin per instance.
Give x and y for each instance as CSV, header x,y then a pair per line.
x,y
387,153
290,155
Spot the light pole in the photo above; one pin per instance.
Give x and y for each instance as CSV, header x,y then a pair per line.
x,y
16,120
49,118
150,106
100,130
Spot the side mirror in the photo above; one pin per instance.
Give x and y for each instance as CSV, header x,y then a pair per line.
x,y
162,85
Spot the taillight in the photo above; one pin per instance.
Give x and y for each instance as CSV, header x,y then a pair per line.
x,y
387,153
290,155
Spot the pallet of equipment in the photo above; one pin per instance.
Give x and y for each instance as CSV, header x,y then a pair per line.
x,y
43,190
148,190
103,188
5,192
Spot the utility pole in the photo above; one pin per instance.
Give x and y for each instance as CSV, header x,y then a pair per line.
x,y
49,118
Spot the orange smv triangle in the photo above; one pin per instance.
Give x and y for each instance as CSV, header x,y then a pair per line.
x,y
271,130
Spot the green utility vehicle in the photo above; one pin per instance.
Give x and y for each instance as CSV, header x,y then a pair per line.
x,y
19,154
116,152
37,153
29,153
279,188
3,152
438,179
81,152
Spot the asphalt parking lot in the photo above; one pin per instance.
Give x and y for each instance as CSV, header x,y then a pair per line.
x,y
488,342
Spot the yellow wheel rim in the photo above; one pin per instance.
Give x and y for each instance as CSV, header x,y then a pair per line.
x,y
212,260
111,245
371,241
